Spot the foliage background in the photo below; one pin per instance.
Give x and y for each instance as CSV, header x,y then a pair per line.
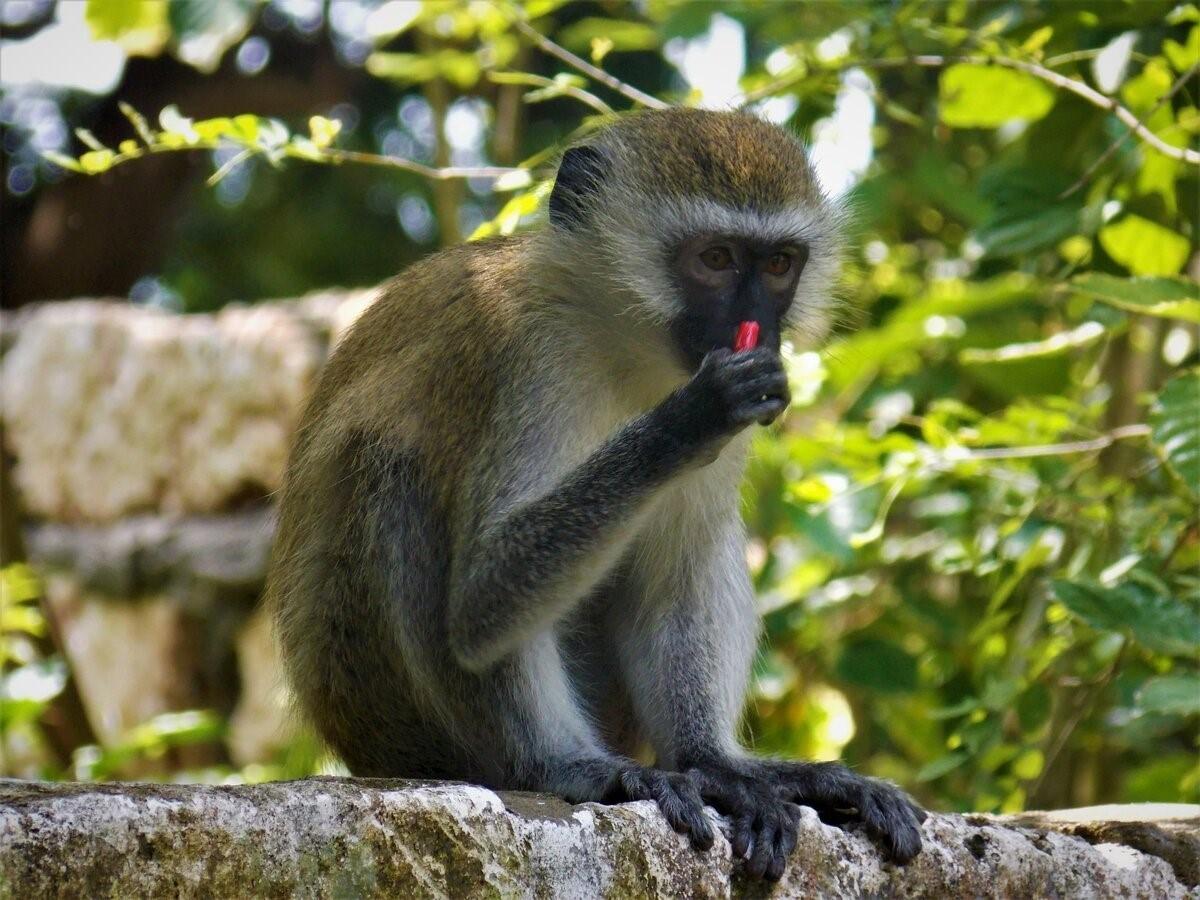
x,y
975,537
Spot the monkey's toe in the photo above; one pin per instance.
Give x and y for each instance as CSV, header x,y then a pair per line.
x,y
677,796
893,819
764,827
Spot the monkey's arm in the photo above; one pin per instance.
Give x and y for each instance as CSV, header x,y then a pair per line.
x,y
524,572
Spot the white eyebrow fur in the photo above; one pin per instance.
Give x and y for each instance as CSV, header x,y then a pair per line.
x,y
667,221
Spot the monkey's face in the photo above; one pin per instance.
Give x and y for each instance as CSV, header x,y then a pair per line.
x,y
724,280
695,221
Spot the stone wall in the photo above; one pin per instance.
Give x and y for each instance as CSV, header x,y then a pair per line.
x,y
146,446
368,838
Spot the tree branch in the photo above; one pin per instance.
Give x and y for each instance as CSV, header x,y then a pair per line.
x,y
1120,142
546,45
1091,95
445,173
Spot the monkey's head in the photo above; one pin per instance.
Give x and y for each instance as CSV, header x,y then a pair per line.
x,y
706,219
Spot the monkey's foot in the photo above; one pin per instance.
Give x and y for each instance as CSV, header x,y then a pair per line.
x,y
765,825
677,795
839,795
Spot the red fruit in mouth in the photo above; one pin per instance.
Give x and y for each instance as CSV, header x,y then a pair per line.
x,y
747,337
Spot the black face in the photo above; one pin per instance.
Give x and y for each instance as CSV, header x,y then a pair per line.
x,y
725,281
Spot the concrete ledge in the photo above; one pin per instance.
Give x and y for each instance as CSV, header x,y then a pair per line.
x,y
350,838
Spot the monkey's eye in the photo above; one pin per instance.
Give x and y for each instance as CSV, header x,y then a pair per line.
x,y
779,264
717,258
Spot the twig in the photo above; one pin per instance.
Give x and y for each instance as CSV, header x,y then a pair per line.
x,y
228,166
1100,443
445,173
1092,96
594,72
1120,142
541,81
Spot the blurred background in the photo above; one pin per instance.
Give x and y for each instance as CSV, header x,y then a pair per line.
x,y
974,537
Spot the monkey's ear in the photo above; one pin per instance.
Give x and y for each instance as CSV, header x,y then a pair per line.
x,y
580,174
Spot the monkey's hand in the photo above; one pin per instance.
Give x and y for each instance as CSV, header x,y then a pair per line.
x,y
839,795
764,824
733,390
677,795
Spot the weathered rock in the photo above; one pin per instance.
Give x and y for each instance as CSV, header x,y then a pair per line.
x,y
155,611
112,409
372,838
1169,831
194,558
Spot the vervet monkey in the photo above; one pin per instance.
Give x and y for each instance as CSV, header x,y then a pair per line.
x,y
510,547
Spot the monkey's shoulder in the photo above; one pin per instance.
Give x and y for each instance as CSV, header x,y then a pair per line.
x,y
425,360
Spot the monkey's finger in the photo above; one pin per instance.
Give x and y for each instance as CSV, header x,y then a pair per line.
x,y
892,823
773,384
764,846
785,843
651,785
699,827
764,412
742,839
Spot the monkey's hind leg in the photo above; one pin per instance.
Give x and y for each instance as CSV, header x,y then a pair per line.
x,y
522,719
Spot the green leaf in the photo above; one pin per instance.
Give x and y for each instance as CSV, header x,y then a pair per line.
x,y
1144,247
1086,334
941,766
1175,424
1026,214
1170,298
139,27
406,68
623,34
983,96
1178,694
1029,764
879,665
97,161
1159,622
205,29
323,130
1183,56
961,708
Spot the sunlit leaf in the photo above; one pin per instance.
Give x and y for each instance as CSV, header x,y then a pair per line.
x,y
982,96
205,29
1144,247
1085,335
1183,56
139,27
323,130
1172,298
97,161
1029,764
402,67
620,33
1178,694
